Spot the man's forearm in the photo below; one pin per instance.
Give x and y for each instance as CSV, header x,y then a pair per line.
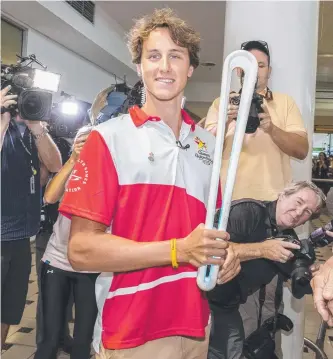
x,y
248,251
48,153
292,144
4,128
103,252
108,253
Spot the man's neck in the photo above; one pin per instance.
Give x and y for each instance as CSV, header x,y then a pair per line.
x,y
168,111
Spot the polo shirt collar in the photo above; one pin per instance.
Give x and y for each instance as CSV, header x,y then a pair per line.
x,y
139,117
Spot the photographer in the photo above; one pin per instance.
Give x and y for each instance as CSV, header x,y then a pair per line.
x,y
322,286
281,135
251,226
27,154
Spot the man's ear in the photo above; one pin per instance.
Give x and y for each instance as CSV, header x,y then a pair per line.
x,y
190,71
269,71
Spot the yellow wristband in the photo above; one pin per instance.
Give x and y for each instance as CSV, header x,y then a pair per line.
x,y
173,253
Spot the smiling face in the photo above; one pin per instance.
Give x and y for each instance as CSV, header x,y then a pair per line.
x,y
165,66
296,209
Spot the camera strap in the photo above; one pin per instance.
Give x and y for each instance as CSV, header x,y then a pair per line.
x,y
278,299
262,296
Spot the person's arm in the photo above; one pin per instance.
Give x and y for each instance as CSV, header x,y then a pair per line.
x,y
293,144
56,187
6,101
48,151
244,219
5,118
271,249
322,286
213,114
44,175
91,249
293,141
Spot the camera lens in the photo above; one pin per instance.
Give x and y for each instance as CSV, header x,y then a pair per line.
x,y
35,105
300,277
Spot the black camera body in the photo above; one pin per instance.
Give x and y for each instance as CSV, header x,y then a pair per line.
x,y
253,121
298,269
34,102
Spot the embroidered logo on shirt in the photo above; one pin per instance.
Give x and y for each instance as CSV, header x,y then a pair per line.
x,y
201,144
78,178
202,153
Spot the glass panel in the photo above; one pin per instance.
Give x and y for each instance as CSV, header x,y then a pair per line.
x,y
11,42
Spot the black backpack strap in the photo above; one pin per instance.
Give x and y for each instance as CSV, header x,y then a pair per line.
x,y
262,296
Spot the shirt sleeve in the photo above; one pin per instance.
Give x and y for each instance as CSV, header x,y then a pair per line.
x,y
212,115
244,219
294,121
93,188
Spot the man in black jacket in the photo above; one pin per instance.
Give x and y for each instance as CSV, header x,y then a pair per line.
x,y
251,226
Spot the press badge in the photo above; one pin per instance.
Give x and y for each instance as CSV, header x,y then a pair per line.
x,y
32,184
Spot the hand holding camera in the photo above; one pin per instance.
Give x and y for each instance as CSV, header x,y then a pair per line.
x,y
266,123
6,102
278,250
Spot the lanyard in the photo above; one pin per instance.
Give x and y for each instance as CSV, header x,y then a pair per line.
x,y
33,170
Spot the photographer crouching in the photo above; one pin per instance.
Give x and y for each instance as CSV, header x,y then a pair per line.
x,y
27,155
262,235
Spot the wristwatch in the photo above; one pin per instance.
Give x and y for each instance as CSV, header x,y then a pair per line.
x,y
42,134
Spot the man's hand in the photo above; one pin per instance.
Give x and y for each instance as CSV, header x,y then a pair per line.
x,y
322,286
230,268
266,123
278,250
200,247
6,101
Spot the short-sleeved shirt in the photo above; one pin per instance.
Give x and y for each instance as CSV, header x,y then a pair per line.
x,y
134,178
20,187
263,169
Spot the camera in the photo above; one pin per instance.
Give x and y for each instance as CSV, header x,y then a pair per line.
x,y
298,269
253,121
34,88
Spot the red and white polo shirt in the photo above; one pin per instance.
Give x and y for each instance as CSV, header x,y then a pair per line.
x,y
134,178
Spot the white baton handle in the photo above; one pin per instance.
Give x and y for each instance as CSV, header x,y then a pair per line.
x,y
207,275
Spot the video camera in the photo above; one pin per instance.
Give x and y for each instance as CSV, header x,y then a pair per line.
x,y
298,269
253,121
34,88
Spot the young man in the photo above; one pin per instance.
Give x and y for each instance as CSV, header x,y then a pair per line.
x,y
144,179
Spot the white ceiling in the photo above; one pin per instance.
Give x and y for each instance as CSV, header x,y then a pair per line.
x,y
212,32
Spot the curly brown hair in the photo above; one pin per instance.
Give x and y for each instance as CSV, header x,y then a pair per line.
x,y
181,34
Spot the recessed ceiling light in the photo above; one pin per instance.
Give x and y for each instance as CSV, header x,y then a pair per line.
x,y
208,64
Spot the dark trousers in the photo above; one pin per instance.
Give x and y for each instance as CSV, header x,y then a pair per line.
x,y
42,239
227,334
55,291
15,272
